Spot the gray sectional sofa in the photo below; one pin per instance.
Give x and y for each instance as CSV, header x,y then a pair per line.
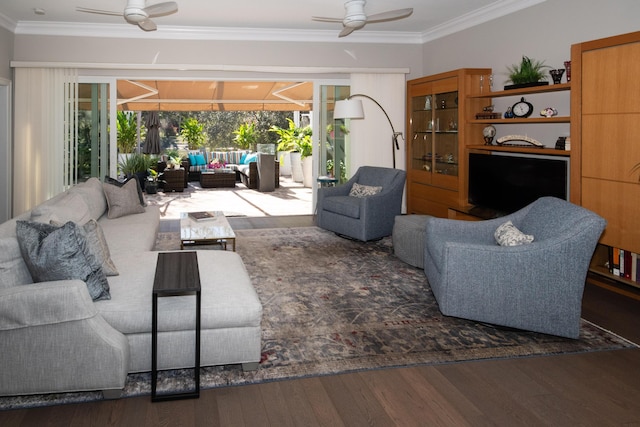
x,y
55,338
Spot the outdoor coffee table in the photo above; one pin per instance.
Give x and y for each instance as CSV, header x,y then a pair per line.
x,y
218,178
211,228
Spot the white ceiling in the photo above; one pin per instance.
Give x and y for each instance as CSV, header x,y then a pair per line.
x,y
257,19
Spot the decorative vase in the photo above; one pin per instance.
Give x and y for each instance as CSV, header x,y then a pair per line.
x,y
567,66
556,75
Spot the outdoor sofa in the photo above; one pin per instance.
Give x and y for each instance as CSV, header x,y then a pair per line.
x,y
243,162
64,336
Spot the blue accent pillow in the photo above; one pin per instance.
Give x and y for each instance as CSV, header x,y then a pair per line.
x,y
192,159
253,157
61,253
200,161
244,156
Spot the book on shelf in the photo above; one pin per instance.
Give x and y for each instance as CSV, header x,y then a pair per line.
x,y
624,263
202,216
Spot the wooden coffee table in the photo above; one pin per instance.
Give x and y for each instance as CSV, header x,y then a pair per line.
x,y
215,229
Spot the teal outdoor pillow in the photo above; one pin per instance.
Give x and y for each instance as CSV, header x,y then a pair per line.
x,y
200,160
60,253
253,157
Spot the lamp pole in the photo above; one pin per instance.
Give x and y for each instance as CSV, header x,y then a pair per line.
x,y
394,139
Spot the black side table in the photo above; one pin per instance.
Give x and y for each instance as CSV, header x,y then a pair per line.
x,y
176,274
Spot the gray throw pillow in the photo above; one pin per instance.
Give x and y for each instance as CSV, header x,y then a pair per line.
x,y
60,253
122,200
114,181
508,235
97,245
359,190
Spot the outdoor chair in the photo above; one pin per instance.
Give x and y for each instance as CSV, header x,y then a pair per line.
x,y
350,210
535,286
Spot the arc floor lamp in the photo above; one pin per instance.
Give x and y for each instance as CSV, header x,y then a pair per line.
x,y
350,108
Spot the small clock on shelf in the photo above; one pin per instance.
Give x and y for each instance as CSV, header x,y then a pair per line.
x,y
488,133
522,109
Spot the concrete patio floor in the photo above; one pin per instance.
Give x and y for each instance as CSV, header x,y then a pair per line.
x,y
288,200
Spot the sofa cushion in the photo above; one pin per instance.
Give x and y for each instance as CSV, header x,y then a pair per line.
x,y
343,205
97,245
508,235
67,207
122,200
60,253
109,180
359,190
253,157
13,270
93,195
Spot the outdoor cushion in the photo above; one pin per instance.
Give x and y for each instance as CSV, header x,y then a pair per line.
x,y
200,160
253,157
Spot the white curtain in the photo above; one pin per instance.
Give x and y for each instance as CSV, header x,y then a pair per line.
x,y
45,134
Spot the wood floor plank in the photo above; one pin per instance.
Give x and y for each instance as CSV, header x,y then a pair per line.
x,y
355,403
320,402
229,407
298,404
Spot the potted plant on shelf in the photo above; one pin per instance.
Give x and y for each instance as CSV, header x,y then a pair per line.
x,y
530,72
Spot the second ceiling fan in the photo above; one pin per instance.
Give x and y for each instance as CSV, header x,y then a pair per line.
x,y
355,17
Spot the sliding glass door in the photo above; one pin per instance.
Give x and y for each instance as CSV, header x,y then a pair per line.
x,y
333,140
91,157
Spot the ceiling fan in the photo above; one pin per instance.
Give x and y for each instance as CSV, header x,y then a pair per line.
x,y
138,13
355,18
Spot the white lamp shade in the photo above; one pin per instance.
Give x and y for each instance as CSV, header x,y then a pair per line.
x,y
348,109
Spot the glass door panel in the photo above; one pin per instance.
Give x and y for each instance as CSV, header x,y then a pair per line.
x,y
92,147
446,133
334,137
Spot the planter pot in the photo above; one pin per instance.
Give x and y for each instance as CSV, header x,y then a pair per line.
x,y
522,85
284,157
296,167
151,187
307,171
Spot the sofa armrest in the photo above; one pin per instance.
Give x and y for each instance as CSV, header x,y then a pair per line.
x,y
53,340
45,303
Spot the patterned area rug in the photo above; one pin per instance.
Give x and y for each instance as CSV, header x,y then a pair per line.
x,y
333,305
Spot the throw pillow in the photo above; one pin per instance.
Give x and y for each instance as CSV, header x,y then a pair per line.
x,y
508,234
60,253
97,245
13,270
359,190
63,208
114,181
200,161
122,200
253,157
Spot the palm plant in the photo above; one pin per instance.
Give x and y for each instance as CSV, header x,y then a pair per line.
x,y
294,138
192,132
246,135
528,71
127,128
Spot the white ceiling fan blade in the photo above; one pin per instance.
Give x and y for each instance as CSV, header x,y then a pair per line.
x,y
392,15
324,19
161,9
147,25
98,11
346,31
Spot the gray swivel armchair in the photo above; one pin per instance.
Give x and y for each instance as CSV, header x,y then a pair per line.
x,y
536,286
362,218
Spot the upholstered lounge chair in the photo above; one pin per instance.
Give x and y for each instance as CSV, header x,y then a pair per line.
x,y
536,286
362,218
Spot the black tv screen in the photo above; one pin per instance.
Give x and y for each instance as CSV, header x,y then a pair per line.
x,y
502,184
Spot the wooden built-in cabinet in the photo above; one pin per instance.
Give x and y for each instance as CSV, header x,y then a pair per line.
x,y
605,128
437,116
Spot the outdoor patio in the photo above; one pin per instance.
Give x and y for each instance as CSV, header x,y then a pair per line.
x,y
290,199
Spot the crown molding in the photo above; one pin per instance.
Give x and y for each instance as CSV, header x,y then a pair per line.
x,y
488,13
7,23
169,32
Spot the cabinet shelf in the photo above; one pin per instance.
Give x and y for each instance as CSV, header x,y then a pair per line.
x,y
524,91
556,119
512,149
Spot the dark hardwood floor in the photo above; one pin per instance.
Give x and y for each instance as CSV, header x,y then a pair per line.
x,y
590,389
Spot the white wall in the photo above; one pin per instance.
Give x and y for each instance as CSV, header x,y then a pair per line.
x,y
6,52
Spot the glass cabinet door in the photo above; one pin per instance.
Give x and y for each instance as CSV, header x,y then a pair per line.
x,y
422,133
445,133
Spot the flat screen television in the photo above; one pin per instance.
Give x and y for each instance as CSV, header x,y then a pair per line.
x,y
501,184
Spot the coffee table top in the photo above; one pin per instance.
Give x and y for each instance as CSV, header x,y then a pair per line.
x,y
219,170
214,228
